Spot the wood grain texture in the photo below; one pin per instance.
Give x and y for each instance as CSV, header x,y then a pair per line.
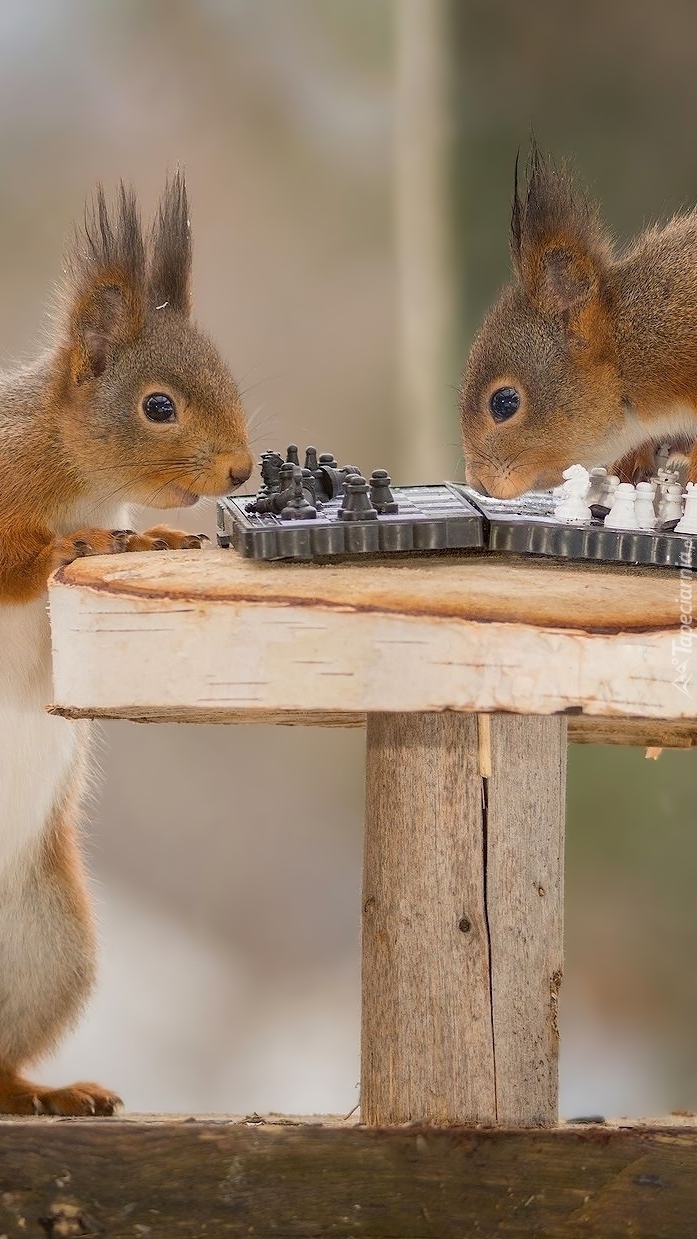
x,y
581,728
462,920
200,1180
525,808
426,1036
196,634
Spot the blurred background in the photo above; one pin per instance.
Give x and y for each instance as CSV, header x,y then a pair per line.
x,y
350,170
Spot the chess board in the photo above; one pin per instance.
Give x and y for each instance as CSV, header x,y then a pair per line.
x,y
429,518
328,518
526,526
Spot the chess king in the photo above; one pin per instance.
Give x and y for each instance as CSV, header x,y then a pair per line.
x,y
588,356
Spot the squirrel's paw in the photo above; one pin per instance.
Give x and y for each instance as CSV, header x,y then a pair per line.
x,y
19,1096
117,541
636,466
162,538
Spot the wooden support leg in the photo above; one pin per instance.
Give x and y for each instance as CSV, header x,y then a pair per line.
x,y
462,920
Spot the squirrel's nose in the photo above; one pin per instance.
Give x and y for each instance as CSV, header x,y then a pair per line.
x,y
239,469
475,484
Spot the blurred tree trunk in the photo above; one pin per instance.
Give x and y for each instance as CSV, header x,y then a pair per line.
x,y
426,308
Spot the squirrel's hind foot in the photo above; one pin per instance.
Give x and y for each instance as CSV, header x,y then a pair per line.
x,y
19,1096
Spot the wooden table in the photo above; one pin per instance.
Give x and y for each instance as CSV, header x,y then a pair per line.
x,y
470,672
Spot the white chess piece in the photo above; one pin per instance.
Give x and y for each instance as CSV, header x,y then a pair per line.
x,y
665,478
671,509
622,514
573,508
688,522
643,508
597,477
607,494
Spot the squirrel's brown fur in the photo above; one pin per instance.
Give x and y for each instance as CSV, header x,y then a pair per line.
x,y
599,345
76,443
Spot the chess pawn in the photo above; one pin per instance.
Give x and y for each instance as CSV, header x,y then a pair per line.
x,y
609,488
356,505
671,509
311,461
329,459
622,514
643,507
688,522
597,478
381,496
292,457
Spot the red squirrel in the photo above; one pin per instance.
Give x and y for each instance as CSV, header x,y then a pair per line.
x,y
589,356
130,403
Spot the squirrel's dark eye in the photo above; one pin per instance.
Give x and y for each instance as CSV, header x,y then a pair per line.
x,y
504,403
159,408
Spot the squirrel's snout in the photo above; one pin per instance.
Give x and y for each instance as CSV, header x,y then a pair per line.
x,y
239,469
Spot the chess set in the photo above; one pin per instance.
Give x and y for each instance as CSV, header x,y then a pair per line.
x,y
320,510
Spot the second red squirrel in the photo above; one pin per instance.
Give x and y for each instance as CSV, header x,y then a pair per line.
x,y
130,403
588,356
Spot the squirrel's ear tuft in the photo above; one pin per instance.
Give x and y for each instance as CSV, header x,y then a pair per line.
x,y
559,246
105,286
169,274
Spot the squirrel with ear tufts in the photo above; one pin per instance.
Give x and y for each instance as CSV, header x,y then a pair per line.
x,y
130,403
589,356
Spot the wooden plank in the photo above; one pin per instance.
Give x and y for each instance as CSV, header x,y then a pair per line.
x,y
426,1037
581,728
525,808
216,633
642,732
194,1179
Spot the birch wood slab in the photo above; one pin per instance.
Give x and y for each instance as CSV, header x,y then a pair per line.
x,y
195,635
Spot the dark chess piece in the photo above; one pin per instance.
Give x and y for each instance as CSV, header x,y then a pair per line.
x,y
328,458
311,461
271,463
356,505
270,466
296,507
309,486
276,499
292,457
286,474
330,481
381,496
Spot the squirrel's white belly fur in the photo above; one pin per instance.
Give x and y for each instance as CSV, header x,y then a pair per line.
x,y
36,749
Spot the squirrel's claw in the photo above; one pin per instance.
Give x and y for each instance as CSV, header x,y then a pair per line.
x,y
117,541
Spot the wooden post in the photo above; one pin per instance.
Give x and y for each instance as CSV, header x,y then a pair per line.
x,y
525,906
462,920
